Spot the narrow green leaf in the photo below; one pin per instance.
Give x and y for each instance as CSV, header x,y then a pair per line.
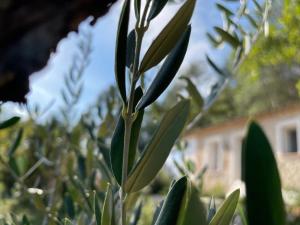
x,y
156,8
224,215
169,214
258,6
107,217
117,143
130,48
25,220
215,67
224,9
16,143
10,122
158,149
121,47
229,38
137,8
263,187
169,36
14,165
211,210
69,205
137,214
193,92
81,167
193,212
216,43
167,72
116,152
97,210
158,209
252,21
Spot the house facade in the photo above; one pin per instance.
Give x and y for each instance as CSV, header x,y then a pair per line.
x,y
218,147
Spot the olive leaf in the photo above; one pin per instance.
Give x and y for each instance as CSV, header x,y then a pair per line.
x,y
117,143
16,143
169,214
264,201
157,6
169,36
224,215
107,217
193,92
121,48
97,210
158,149
137,8
10,122
130,48
167,72
229,38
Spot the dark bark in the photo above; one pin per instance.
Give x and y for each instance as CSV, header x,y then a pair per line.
x,y
30,31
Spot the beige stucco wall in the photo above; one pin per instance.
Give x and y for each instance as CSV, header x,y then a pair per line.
x,y
289,163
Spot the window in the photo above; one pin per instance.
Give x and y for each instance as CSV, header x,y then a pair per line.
x,y
236,142
291,144
214,159
214,156
287,135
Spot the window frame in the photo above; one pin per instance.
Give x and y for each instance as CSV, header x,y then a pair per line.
x,y
217,139
281,129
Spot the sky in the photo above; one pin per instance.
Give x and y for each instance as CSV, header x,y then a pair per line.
x,y
47,84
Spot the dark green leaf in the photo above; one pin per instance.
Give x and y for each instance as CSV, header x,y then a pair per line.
x,y
167,72
69,205
157,6
229,38
158,209
116,152
159,147
10,122
258,6
107,217
25,220
137,214
213,40
193,92
105,153
117,143
252,21
14,165
211,210
263,187
97,210
224,215
121,47
81,166
192,210
224,9
137,8
215,67
169,213
169,36
130,48
16,143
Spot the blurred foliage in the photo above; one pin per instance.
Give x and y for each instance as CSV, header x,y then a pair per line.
x,y
266,79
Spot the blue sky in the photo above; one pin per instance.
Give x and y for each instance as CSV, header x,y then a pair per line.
x,y
47,83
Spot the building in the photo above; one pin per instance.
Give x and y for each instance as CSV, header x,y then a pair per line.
x,y
218,147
